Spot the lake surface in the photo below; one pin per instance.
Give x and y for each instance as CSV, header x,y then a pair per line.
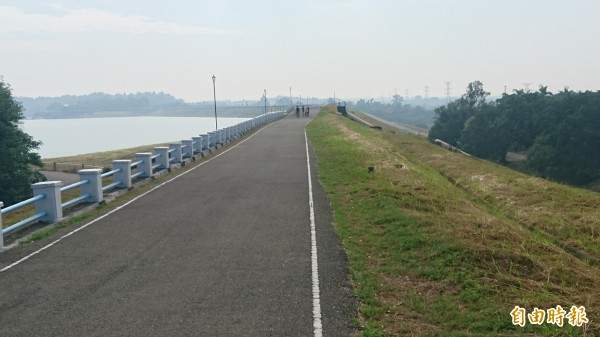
x,y
67,137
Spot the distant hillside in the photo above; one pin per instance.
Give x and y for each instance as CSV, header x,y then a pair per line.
x,y
138,104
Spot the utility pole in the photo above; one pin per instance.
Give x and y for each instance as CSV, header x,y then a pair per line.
x,y
215,98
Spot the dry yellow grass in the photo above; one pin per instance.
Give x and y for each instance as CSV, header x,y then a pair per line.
x,y
104,159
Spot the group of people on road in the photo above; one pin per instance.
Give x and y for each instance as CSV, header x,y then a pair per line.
x,y
305,111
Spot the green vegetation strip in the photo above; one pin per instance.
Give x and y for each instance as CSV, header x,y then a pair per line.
x,y
429,254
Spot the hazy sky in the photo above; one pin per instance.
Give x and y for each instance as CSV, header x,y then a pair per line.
x,y
355,48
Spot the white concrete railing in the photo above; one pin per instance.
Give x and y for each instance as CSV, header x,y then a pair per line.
x,y
48,195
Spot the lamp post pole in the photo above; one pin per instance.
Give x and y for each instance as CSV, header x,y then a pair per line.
x,y
215,99
265,101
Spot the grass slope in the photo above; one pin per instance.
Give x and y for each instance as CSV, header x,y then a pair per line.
x,y
441,244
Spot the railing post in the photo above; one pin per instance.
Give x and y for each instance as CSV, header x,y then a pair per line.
x,y
163,160
188,145
125,175
222,136
177,153
146,166
211,138
197,144
1,235
94,187
52,203
205,143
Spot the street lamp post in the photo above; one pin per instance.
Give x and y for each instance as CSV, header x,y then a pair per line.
x,y
265,100
215,99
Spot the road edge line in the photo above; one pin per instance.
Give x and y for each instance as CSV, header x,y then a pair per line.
x,y
317,324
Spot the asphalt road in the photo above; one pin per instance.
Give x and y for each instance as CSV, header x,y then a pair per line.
x,y
224,250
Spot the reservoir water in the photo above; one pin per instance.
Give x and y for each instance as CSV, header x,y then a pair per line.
x,y
67,137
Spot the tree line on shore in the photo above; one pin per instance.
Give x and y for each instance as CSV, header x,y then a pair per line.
x,y
558,132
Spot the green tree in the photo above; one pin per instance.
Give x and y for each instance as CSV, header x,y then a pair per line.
x,y
451,119
16,150
397,101
568,150
483,137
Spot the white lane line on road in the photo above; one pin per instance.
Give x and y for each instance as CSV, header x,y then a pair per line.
x,y
318,327
127,203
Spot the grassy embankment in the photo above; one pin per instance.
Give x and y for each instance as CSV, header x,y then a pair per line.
x,y
99,159
443,244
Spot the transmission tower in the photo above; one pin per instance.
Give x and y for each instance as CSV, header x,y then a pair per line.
x,y
426,92
448,91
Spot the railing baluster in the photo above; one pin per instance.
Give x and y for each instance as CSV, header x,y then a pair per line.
x,y
188,146
94,188
176,154
145,168
52,203
124,172
162,157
